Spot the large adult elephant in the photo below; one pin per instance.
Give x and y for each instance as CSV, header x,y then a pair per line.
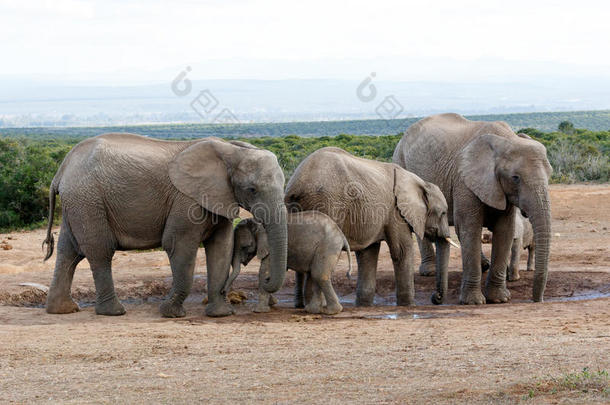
x,y
372,201
124,191
485,170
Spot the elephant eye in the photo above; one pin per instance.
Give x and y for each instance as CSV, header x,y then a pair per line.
x,y
516,179
251,190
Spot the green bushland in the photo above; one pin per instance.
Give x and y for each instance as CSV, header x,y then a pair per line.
x,y
28,163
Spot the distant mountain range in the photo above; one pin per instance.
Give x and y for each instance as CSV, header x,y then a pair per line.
x,y
28,104
547,121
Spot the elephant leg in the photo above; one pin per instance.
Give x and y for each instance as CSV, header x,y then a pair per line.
x,y
530,259
299,283
513,268
367,275
182,253
469,214
106,301
401,251
495,287
313,302
484,263
428,265
59,300
321,270
218,248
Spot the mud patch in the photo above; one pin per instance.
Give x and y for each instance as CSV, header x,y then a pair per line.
x,y
30,297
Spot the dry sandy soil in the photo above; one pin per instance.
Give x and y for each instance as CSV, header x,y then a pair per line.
x,y
488,354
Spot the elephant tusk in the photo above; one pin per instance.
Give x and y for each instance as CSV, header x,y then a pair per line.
x,y
452,243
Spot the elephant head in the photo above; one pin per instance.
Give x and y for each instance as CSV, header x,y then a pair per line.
x,y
513,170
250,239
424,207
421,204
223,176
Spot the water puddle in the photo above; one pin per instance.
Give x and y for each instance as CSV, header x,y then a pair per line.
x,y
579,297
413,315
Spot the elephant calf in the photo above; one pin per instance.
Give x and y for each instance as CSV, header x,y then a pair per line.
x,y
524,239
314,245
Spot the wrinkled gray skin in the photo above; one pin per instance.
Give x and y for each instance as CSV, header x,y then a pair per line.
x,y
315,243
124,191
523,239
485,170
371,202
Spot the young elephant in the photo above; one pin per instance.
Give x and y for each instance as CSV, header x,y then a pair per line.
x,y
524,239
314,245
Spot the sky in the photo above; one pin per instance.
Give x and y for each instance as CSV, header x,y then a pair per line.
x,y
133,41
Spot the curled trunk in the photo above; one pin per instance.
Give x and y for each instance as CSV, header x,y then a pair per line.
x,y
236,264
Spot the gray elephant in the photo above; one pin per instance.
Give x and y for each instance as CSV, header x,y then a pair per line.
x,y
523,239
371,202
485,170
314,245
125,191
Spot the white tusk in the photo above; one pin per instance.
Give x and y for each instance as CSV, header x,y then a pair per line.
x,y
452,243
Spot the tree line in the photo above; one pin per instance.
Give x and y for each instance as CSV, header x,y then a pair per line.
x,y
28,163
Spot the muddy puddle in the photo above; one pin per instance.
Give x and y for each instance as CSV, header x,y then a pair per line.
x,y
415,315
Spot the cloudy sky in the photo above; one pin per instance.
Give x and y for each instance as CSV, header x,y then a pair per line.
x,y
137,41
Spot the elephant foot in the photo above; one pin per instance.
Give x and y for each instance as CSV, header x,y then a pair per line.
x,y
427,269
497,295
260,307
299,302
529,269
272,300
484,264
512,275
365,298
219,308
437,298
313,308
332,309
405,301
112,307
62,306
172,310
472,297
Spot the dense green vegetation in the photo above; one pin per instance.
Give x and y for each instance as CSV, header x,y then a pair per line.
x,y
28,164
547,121
26,170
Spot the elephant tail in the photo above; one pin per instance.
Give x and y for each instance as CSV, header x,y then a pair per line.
x,y
50,240
349,258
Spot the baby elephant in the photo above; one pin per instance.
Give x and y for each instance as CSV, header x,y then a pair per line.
x,y
314,245
524,239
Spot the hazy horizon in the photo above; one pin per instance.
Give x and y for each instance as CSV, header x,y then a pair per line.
x,y
72,62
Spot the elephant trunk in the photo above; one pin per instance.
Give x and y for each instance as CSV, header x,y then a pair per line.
x,y
539,212
236,264
442,269
277,237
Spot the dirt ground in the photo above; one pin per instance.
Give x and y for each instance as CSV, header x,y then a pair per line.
x,y
505,353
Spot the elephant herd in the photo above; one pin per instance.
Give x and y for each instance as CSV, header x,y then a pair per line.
x,y
124,191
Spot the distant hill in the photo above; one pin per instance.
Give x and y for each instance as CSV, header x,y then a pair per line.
x,y
543,121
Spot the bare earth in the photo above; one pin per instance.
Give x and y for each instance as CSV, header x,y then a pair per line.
x,y
384,354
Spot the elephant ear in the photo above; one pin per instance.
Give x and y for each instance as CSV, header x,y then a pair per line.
x,y
411,200
202,172
477,168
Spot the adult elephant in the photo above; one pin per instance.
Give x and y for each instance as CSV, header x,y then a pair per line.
x,y
125,191
372,201
485,170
